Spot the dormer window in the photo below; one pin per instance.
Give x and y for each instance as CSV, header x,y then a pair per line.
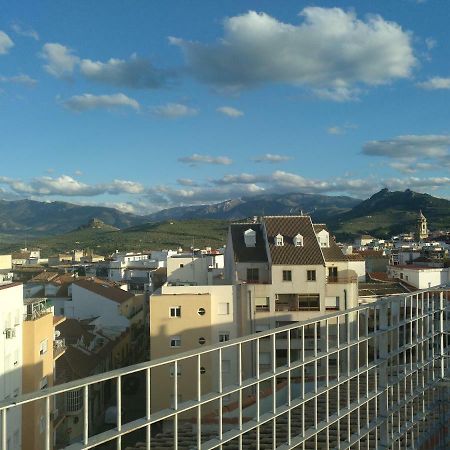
x,y
279,241
324,238
250,238
298,240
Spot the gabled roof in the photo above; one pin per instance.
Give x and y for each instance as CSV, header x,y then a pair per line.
x,y
105,290
333,252
242,253
289,254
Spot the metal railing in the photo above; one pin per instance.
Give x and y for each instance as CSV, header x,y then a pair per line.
x,y
371,377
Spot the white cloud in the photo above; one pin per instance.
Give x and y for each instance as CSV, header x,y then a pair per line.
x,y
136,73
5,43
205,159
331,51
435,83
272,158
89,101
186,182
27,32
230,111
341,129
409,146
19,79
173,110
430,43
60,60
66,185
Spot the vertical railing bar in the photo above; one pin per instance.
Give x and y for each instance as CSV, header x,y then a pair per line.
x,y
119,410
4,428
175,404
199,407
148,406
47,422
86,414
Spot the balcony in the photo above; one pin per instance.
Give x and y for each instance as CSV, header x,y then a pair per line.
x,y
297,302
341,279
59,347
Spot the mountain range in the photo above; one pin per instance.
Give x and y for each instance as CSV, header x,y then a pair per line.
x,y
382,214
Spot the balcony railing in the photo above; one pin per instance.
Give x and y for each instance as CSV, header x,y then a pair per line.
x,y
59,347
342,279
358,387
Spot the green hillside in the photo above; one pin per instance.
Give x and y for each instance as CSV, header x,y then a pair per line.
x,y
105,239
388,213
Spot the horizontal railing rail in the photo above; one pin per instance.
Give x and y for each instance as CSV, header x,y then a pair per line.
x,y
356,372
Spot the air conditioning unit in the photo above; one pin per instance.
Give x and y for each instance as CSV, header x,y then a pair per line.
x,y
10,333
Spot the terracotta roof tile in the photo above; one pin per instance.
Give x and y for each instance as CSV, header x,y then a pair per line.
x,y
242,253
289,254
105,290
333,252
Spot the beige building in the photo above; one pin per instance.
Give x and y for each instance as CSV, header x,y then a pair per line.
x,y
183,318
41,348
5,262
281,270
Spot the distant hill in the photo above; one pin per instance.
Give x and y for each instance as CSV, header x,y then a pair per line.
x,y
71,226
29,218
320,207
105,239
387,213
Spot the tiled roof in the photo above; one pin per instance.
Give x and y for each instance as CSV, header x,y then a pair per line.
x,y
44,277
105,290
72,330
289,254
8,285
333,252
355,257
242,253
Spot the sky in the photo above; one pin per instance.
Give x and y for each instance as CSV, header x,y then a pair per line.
x,y
144,105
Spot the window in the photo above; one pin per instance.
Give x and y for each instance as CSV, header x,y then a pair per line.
x,y
311,275
223,309
175,311
41,424
172,371
298,240
332,303
287,275
43,347
279,241
175,341
262,303
201,311
224,336
43,383
252,274
226,366
309,302
181,266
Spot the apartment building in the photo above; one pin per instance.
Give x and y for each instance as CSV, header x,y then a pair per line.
x,y
11,359
42,346
184,318
288,269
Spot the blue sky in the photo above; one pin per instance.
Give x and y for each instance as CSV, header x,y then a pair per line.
x,y
144,105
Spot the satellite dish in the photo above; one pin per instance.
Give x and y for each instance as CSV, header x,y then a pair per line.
x,y
57,333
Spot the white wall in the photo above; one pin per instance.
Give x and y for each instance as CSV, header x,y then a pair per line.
x,y
11,316
421,278
5,262
86,304
187,269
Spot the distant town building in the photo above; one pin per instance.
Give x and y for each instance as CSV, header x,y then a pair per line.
x,y
422,228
